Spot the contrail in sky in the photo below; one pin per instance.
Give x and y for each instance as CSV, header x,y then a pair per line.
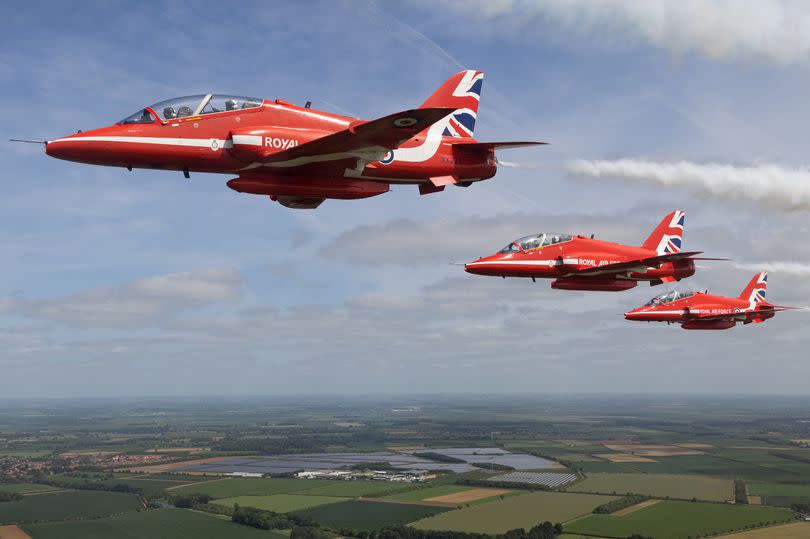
x,y
787,268
769,185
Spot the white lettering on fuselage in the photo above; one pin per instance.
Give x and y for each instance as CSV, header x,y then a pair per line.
x,y
280,143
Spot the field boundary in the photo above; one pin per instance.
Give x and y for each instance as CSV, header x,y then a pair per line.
x,y
409,502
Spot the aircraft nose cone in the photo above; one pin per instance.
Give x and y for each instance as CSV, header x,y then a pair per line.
x,y
61,149
632,315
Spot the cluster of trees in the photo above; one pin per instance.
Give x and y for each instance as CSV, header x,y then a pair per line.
x,y
492,466
190,501
546,530
10,496
740,492
801,508
382,465
268,520
619,503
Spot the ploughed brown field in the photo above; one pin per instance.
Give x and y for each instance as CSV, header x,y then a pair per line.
x,y
12,532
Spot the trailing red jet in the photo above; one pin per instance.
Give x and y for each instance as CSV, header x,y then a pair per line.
x,y
299,156
581,263
699,310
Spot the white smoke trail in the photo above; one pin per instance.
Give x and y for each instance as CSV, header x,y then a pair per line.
x,y
788,268
777,31
769,185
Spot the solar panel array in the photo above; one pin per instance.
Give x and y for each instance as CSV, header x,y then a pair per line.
x,y
535,478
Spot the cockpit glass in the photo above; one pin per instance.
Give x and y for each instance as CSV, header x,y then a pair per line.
x,y
198,105
179,107
141,117
669,297
538,240
225,103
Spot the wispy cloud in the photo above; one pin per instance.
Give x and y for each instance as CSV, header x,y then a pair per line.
x,y
771,185
143,302
776,31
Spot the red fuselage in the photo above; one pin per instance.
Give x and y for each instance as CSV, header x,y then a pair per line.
x,y
560,261
724,312
210,142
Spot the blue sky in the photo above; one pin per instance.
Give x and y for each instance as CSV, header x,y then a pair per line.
x,y
144,283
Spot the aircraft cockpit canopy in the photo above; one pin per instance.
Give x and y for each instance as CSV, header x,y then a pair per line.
x,y
669,297
535,242
192,105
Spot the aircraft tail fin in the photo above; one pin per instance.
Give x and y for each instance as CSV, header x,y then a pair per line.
x,y
754,293
461,92
668,235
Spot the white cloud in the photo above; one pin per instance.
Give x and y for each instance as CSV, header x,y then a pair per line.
x,y
770,185
776,31
142,302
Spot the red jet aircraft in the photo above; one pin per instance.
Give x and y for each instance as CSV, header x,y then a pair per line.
x,y
297,155
699,310
580,263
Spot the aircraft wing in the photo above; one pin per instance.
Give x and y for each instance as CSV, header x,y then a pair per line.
x,y
368,141
633,265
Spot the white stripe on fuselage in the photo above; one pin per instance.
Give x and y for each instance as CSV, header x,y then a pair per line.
x,y
166,141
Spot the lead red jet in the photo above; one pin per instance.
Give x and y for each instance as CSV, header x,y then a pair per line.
x,y
299,156
581,263
699,310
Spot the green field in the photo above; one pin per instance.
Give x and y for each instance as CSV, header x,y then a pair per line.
x,y
248,486
781,494
765,470
24,488
683,487
66,505
353,489
145,483
524,511
676,520
160,524
280,503
425,493
360,515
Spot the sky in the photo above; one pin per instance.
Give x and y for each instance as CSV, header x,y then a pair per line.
x,y
143,283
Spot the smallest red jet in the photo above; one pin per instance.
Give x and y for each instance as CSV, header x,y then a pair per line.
x,y
582,263
699,310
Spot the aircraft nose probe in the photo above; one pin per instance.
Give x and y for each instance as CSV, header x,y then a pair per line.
x,y
45,142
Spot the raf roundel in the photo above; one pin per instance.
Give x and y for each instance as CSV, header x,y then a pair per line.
x,y
404,122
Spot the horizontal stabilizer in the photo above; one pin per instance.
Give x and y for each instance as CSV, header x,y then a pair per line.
x,y
487,146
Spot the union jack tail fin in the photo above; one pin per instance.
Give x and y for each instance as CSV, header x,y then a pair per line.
x,y
754,293
668,235
462,92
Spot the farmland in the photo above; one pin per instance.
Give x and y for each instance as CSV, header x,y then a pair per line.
x,y
683,487
623,445
676,520
164,523
66,505
25,488
362,515
515,512
794,530
249,486
280,503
